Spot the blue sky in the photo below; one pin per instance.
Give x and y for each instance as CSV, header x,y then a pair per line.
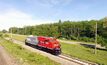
x,y
32,12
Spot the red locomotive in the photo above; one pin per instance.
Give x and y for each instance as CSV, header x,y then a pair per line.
x,y
45,43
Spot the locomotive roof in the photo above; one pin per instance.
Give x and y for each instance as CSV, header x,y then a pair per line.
x,y
46,37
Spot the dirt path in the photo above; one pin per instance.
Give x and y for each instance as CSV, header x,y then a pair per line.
x,y
5,58
2,60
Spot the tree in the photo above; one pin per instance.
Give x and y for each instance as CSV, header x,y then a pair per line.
x,y
79,30
4,31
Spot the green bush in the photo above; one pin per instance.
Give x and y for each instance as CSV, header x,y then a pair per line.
x,y
105,43
102,41
86,39
6,35
1,34
73,37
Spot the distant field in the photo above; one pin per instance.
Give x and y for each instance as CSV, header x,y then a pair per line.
x,y
24,56
78,51
18,37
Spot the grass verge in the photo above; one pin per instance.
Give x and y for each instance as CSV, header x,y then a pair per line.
x,y
18,37
81,52
25,56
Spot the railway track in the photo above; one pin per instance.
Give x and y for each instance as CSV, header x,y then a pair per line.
x,y
65,58
72,60
77,60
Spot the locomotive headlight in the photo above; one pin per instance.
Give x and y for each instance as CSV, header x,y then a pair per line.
x,y
55,44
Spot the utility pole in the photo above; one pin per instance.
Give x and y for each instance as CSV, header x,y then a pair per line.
x,y
95,38
78,34
24,30
11,33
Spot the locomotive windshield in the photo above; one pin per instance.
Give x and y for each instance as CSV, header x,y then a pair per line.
x,y
52,40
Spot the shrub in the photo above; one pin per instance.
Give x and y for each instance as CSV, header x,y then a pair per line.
x,y
102,41
1,34
5,35
73,37
86,39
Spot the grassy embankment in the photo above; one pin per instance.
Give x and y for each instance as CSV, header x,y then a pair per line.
x,y
81,52
17,37
24,56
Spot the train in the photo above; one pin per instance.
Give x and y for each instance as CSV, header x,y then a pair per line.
x,y
47,43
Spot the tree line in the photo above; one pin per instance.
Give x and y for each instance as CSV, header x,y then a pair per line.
x,y
72,30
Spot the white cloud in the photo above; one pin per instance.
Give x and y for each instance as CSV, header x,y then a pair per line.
x,y
60,2
18,19
50,3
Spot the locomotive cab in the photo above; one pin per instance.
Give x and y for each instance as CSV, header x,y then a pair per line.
x,y
52,44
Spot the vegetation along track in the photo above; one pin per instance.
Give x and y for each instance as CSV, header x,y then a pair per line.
x,y
64,60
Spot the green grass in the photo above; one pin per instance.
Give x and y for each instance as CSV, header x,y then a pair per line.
x,y
25,56
81,52
78,41
18,37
